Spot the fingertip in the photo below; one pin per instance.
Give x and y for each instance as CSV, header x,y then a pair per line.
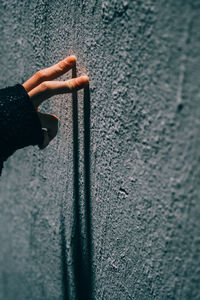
x,y
72,59
85,79
74,56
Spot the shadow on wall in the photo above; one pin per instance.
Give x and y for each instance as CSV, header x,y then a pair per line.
x,y
82,251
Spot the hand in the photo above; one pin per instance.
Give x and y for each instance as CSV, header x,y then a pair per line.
x,y
41,87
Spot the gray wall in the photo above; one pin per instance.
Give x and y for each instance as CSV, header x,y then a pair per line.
x,y
143,61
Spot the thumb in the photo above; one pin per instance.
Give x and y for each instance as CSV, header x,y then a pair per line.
x,y
49,125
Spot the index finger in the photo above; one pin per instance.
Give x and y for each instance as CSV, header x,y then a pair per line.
x,y
50,73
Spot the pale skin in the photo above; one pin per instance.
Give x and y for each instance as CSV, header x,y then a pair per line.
x,y
41,86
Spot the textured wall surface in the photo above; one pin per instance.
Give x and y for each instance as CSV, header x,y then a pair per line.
x,y
143,61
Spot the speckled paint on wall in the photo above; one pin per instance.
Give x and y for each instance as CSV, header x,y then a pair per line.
x,y
142,58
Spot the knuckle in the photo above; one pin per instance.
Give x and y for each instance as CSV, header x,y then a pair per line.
x,y
71,84
39,74
66,63
44,86
61,65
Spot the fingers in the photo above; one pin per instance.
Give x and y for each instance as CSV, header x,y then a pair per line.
x,y
50,73
41,87
49,124
50,88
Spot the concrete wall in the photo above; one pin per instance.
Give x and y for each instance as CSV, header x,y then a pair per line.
x,y
143,61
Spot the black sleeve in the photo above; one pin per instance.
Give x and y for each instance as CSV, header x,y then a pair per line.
x,y
19,123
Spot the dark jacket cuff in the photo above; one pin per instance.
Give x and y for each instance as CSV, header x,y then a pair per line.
x,y
19,122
